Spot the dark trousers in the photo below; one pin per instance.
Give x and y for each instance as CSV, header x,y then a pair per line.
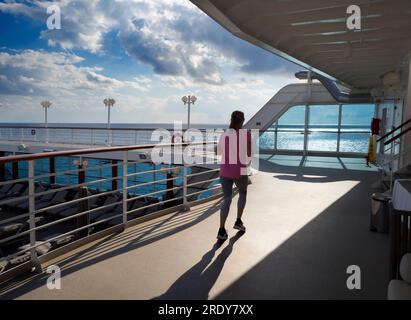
x,y
227,186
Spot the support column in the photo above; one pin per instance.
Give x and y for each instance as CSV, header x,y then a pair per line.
x,y
81,174
306,131
52,170
339,127
169,185
114,174
84,219
15,170
125,185
32,217
2,168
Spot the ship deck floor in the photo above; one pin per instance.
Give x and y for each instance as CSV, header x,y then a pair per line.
x,y
305,225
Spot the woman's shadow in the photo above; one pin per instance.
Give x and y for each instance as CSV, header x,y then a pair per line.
x,y
196,283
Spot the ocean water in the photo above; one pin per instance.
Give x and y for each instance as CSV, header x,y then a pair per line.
x,y
95,172
353,138
97,134
92,133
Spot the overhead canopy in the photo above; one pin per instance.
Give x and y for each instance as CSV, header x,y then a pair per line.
x,y
314,34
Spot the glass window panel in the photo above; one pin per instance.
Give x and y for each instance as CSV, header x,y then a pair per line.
x,y
357,117
322,141
323,128
294,116
324,116
355,127
267,140
291,128
290,140
354,142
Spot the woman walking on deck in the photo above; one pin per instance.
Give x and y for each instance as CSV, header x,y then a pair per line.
x,y
235,150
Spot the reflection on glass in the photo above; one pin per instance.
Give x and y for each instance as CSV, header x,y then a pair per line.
x,y
295,116
354,142
323,128
355,127
267,140
357,116
322,141
290,140
290,129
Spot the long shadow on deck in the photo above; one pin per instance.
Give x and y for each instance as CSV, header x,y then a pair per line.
x,y
111,246
312,263
196,283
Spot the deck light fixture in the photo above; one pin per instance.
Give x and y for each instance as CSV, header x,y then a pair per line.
x,y
45,104
109,102
188,100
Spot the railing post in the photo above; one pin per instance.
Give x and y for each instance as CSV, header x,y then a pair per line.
x,y
306,126
15,170
52,170
125,180
83,220
114,174
186,206
2,168
32,222
339,127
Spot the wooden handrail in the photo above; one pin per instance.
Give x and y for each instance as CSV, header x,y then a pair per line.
x,y
393,130
66,153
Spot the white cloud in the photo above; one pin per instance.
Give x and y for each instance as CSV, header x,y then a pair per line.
x,y
187,51
172,36
77,93
83,24
55,74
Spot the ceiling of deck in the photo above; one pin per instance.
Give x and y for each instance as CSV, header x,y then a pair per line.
x,y
314,34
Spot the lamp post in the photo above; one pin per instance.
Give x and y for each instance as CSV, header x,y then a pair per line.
x,y
46,104
109,102
188,100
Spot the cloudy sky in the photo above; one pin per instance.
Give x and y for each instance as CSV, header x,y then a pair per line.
x,y
144,53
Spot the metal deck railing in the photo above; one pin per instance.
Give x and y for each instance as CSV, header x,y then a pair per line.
x,y
91,136
390,151
38,217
